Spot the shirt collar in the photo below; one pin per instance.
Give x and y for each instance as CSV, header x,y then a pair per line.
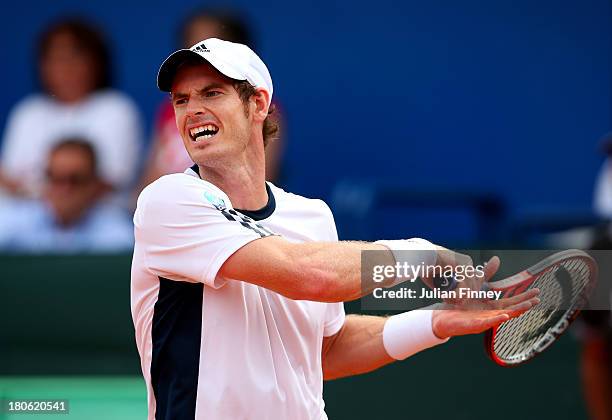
x,y
260,214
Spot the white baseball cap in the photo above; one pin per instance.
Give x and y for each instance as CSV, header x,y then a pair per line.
x,y
236,61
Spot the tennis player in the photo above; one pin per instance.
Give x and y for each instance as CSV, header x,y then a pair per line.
x,y
237,285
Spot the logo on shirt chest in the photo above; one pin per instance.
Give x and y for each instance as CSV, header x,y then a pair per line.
x,y
234,216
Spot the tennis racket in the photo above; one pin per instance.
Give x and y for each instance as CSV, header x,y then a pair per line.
x,y
565,280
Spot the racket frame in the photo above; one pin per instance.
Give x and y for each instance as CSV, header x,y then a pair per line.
x,y
513,284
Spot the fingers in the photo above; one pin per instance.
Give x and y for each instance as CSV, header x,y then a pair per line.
x,y
452,258
478,281
491,267
465,321
493,321
452,323
529,294
495,318
463,259
522,307
475,322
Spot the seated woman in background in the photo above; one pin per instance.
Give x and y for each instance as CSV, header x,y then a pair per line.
x,y
74,71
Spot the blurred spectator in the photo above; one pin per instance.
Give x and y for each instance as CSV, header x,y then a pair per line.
x,y
168,155
74,71
603,185
595,333
71,217
596,326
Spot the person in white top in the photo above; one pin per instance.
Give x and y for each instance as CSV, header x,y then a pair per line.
x,y
602,203
77,102
237,285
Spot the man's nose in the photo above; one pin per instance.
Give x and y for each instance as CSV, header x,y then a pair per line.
x,y
195,107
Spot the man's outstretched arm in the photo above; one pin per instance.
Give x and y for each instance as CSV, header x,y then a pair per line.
x,y
317,271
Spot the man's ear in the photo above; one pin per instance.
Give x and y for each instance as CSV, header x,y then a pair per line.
x,y
260,104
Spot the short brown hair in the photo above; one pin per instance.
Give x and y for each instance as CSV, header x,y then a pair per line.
x,y
81,145
271,125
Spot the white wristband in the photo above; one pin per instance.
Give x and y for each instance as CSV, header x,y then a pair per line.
x,y
411,252
408,333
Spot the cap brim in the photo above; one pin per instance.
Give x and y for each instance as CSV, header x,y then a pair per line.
x,y
168,69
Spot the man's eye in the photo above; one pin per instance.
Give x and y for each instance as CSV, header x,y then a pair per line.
x,y
180,101
212,93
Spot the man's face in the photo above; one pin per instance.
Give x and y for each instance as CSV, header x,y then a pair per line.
x,y
210,116
72,188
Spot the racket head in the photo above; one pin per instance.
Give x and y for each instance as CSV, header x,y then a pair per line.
x,y
565,280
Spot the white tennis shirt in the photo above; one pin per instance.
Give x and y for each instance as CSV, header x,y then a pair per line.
x,y
212,347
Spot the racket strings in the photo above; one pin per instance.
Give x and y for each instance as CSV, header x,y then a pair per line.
x,y
525,332
515,339
510,338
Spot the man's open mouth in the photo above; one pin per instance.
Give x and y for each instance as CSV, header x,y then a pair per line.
x,y
203,132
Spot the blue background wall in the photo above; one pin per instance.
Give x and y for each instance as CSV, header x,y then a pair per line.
x,y
504,96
